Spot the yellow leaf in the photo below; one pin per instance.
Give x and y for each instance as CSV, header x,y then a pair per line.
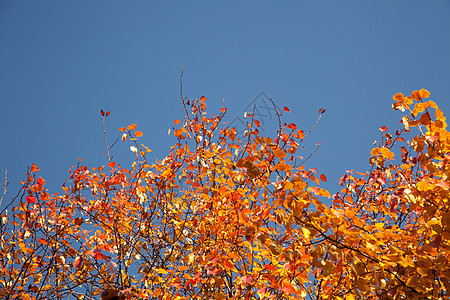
x,y
379,226
386,153
162,271
190,258
306,232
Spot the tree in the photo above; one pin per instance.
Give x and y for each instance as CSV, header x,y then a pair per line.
x,y
239,217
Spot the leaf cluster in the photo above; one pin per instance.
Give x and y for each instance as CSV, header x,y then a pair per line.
x,y
225,216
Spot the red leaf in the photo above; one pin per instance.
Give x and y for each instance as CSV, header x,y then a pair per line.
x,y
257,123
443,184
112,164
247,279
214,271
78,262
270,268
286,109
31,199
223,109
100,255
383,129
436,242
288,289
323,178
262,290
107,113
43,241
292,126
102,112
34,168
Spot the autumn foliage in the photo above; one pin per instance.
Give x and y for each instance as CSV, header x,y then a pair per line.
x,y
228,216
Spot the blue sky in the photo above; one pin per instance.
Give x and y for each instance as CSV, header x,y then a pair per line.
x,y
63,61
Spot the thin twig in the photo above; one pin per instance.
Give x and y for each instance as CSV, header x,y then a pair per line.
x,y
104,138
312,128
4,185
181,84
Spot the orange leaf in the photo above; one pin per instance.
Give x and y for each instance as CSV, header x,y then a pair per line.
x,y
177,122
229,265
138,133
320,192
375,151
416,95
386,153
282,167
398,97
425,119
43,241
122,129
278,202
424,93
131,127
279,153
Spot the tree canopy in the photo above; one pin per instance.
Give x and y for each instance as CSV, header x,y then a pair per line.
x,y
229,216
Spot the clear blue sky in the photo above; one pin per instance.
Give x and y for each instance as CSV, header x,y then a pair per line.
x,y
62,61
